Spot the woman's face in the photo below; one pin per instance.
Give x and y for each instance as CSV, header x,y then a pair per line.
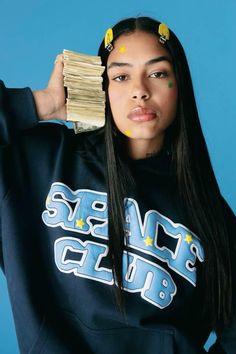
x,y
142,87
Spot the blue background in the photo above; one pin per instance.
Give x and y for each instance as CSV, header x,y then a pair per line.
x,y
32,33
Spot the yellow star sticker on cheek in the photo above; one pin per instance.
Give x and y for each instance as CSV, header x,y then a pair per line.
x,y
122,50
148,241
127,133
188,238
80,223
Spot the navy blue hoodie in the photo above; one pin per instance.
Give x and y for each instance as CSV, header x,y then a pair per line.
x,y
54,246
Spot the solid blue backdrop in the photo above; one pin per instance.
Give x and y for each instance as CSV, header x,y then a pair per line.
x,y
32,33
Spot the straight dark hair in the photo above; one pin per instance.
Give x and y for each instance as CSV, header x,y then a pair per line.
x,y
196,181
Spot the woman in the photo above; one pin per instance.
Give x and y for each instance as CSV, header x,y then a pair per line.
x,y
149,186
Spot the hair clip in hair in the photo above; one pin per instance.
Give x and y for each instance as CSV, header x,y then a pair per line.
x,y
108,39
164,33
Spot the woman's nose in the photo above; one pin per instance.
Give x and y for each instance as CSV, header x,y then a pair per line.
x,y
140,91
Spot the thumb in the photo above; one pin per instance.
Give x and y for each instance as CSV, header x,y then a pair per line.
x,y
56,79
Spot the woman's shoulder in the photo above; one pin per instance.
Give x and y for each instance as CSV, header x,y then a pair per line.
x,y
60,129
52,135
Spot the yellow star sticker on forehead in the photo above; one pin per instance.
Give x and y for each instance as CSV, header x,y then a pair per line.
x,y
122,50
80,223
188,238
148,241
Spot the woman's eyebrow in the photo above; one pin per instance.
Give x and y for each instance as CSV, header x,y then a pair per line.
x,y
157,60
149,62
115,64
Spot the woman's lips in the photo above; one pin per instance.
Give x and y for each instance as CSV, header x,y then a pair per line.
x,y
140,114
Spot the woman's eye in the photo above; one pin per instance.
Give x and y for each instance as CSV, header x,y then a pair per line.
x,y
120,78
159,74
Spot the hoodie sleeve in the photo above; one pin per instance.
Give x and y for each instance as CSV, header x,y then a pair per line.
x,y
226,341
17,112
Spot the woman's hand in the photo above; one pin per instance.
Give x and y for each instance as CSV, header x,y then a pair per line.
x,y
50,102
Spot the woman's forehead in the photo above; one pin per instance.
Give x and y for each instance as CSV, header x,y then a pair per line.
x,y
137,45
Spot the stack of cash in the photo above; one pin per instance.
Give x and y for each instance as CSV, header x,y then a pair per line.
x,y
85,97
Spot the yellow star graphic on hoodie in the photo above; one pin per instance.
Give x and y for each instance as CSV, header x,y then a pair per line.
x,y
148,241
80,223
188,238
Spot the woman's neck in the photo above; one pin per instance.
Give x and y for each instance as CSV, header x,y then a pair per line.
x,y
143,148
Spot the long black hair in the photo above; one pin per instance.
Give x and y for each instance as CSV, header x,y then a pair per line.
x,y
196,181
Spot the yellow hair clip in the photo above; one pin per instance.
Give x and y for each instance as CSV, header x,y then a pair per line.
x,y
164,33
108,39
